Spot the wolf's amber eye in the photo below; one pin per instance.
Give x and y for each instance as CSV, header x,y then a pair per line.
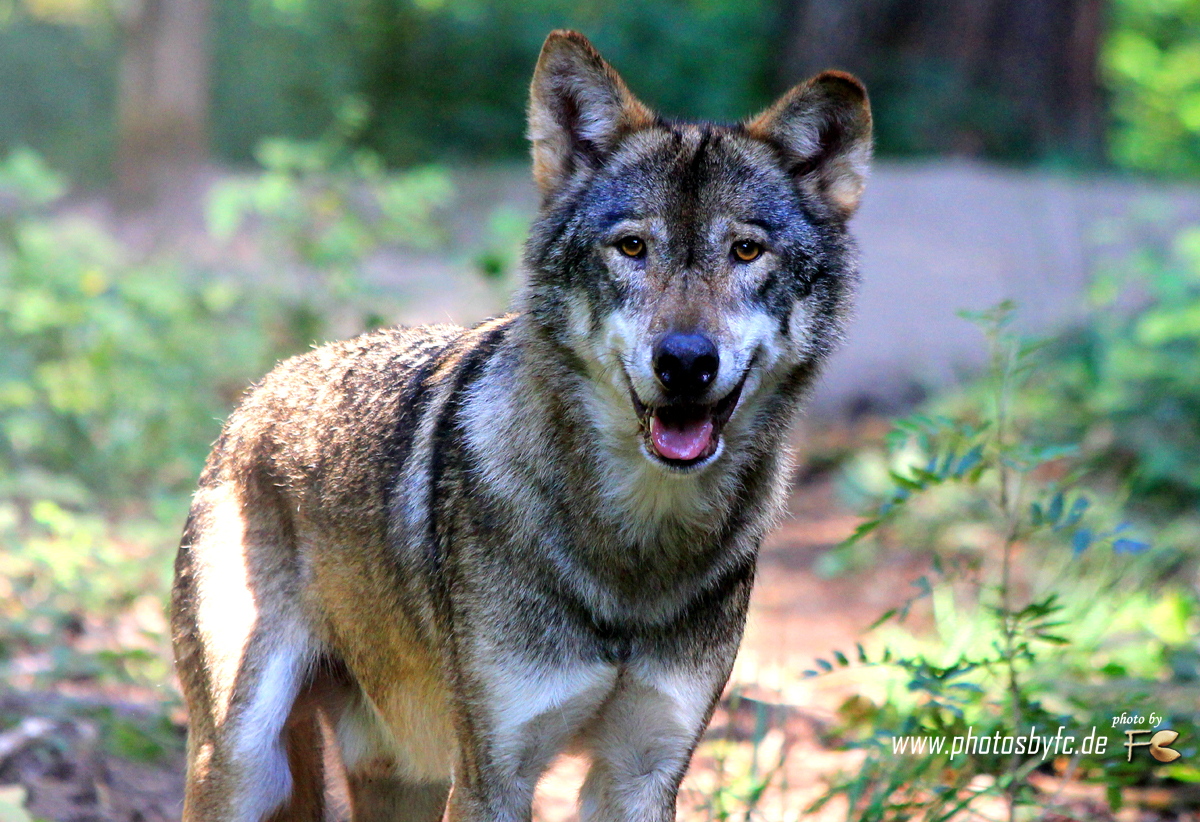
x,y
632,246
747,250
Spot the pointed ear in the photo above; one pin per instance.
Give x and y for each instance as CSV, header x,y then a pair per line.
x,y
823,128
578,109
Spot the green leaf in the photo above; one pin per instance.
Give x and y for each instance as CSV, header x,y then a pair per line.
x,y
904,482
24,174
927,476
947,464
1113,794
1049,453
888,614
1183,773
969,461
1081,541
226,208
1055,512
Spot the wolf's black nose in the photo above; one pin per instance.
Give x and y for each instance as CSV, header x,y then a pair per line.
x,y
685,364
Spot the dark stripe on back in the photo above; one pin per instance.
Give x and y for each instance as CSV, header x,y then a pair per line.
x,y
444,448
465,371
412,403
698,158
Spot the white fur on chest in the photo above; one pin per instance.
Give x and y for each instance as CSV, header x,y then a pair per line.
x,y
523,693
537,710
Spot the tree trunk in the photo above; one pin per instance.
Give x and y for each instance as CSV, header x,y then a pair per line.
x,y
162,107
1008,78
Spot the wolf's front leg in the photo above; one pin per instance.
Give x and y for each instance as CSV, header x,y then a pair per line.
x,y
521,715
643,740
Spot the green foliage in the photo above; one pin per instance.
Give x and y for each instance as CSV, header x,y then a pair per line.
x,y
1126,383
442,79
66,575
1151,62
327,207
448,78
500,257
117,372
743,767
59,82
139,739
1021,616
280,69
114,371
454,75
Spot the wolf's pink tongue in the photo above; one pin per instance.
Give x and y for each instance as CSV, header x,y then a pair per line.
x,y
684,441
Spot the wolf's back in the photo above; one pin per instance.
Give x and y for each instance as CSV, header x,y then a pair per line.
x,y
333,428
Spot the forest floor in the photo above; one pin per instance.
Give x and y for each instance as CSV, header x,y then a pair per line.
x,y
57,760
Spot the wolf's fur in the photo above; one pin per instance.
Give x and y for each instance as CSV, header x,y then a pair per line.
x,y
457,545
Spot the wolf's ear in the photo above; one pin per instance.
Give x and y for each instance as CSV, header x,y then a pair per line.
x,y
823,128
578,109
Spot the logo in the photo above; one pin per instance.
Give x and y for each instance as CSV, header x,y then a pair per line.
x,y
1157,744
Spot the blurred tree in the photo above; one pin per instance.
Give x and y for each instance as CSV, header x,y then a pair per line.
x,y
1013,80
58,80
1004,78
451,77
1152,68
163,91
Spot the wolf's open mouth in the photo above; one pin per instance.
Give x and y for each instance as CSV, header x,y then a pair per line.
x,y
684,434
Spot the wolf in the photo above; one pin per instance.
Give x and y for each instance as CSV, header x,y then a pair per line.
x,y
452,554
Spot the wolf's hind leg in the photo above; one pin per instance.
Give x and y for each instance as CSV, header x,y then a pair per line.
x,y
384,797
386,782
250,753
303,746
244,653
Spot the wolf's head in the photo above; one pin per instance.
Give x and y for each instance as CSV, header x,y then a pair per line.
x,y
696,274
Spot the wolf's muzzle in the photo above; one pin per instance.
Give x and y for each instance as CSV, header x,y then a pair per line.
x,y
684,433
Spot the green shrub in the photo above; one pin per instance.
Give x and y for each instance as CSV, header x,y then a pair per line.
x,y
1039,598
1126,382
1151,63
82,597
321,208
115,374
